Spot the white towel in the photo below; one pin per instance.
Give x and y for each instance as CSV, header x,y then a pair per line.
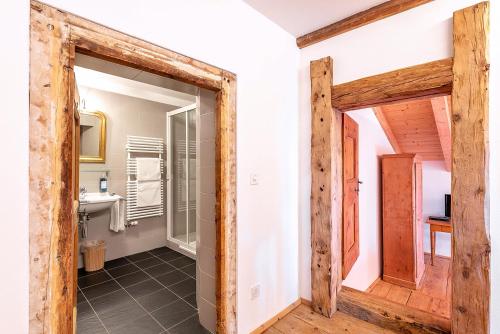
x,y
148,193
148,169
117,221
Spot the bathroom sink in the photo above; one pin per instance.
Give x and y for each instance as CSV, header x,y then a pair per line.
x,y
94,202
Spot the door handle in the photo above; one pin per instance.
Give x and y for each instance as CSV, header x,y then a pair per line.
x,y
357,188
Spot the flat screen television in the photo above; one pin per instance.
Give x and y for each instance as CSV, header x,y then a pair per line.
x,y
447,205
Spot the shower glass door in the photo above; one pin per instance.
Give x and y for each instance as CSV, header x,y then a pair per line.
x,y
181,191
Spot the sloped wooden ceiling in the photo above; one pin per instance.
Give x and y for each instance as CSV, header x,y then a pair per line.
x,y
421,126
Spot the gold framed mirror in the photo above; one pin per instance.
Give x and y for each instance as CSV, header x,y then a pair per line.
x,y
92,136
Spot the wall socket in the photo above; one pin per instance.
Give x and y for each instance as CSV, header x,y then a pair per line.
x,y
255,292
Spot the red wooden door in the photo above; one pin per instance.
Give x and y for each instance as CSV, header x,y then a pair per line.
x,y
350,221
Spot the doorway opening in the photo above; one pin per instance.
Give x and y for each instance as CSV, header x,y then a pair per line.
x,y
402,151
56,38
465,77
139,131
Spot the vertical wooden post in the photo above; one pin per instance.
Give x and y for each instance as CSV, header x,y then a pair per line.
x,y
470,199
226,204
326,190
51,192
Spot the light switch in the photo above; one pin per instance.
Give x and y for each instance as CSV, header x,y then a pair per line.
x,y
254,179
255,292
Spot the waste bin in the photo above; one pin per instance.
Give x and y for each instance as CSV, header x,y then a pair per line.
x,y
93,254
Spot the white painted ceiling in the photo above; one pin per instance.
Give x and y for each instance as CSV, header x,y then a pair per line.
x,y
299,17
103,75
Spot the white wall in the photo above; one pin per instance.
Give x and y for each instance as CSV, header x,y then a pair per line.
x,y
231,35
372,144
14,168
416,36
436,183
265,58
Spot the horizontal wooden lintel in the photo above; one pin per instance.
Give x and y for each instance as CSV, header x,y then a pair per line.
x,y
415,82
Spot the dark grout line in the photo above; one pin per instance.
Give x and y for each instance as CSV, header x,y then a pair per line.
x,y
135,300
166,287
150,277
93,310
180,322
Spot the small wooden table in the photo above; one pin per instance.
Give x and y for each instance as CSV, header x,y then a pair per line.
x,y
437,226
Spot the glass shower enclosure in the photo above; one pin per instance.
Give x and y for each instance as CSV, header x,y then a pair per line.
x,y
181,181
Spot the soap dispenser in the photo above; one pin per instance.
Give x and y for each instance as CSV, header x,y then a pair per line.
x,y
103,184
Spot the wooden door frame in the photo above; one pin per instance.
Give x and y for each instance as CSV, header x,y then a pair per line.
x,y
55,36
465,77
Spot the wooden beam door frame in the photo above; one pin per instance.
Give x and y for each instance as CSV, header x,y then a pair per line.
x,y
465,77
55,36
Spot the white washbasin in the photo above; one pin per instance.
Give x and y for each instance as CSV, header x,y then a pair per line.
x,y
94,202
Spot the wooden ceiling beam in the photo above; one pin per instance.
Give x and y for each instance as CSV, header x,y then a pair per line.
x,y
373,14
441,111
415,82
379,113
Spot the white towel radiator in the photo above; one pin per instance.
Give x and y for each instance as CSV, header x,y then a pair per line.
x,y
140,147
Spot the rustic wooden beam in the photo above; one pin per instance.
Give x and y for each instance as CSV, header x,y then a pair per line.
x,y
389,315
106,43
54,36
441,111
326,190
425,80
470,169
358,20
225,199
51,194
379,113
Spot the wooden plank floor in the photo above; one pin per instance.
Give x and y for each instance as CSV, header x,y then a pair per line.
x,y
305,321
434,294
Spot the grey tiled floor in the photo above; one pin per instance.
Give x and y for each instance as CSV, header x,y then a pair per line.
x,y
147,293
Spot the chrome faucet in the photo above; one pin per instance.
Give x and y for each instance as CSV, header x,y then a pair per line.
x,y
83,192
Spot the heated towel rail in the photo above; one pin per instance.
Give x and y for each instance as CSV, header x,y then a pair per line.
x,y
142,147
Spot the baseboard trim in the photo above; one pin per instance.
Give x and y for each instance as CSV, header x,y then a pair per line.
x,y
269,323
306,302
370,288
401,282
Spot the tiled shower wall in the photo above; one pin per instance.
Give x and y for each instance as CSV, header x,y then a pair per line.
x,y
125,116
205,222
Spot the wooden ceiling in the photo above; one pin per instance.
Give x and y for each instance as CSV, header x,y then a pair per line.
x,y
420,126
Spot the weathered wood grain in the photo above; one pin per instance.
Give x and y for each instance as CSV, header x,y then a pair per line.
x,y
102,42
390,315
326,190
304,320
226,205
358,20
51,192
470,170
425,80
55,35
